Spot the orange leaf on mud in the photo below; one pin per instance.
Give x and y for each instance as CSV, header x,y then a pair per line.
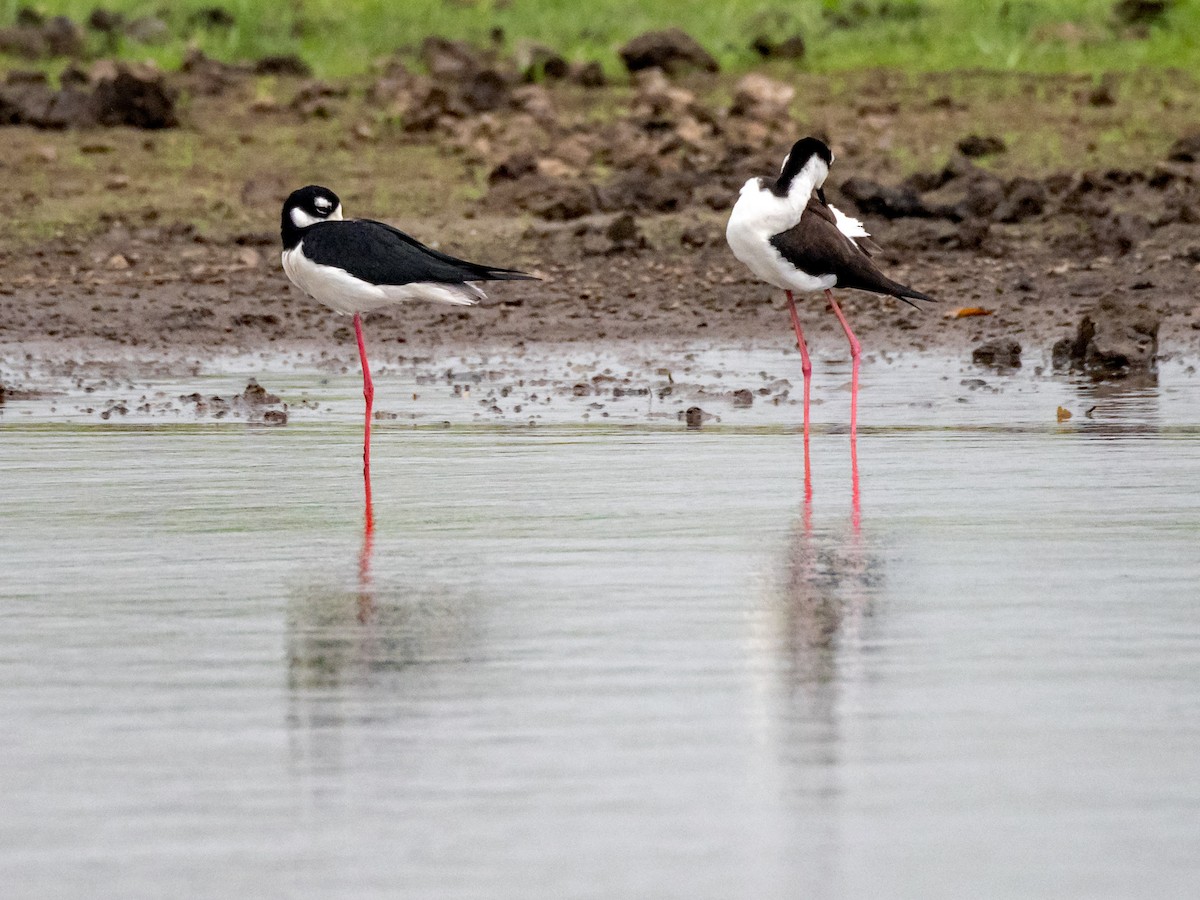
x,y
1063,414
964,311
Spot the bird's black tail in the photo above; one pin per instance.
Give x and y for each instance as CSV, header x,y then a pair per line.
x,y
490,273
907,294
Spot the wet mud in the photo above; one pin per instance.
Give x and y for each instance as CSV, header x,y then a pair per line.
x,y
616,195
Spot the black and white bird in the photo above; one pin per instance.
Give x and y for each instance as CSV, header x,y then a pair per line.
x,y
357,265
789,236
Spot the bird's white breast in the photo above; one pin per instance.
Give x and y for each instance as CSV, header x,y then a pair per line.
x,y
339,290
758,216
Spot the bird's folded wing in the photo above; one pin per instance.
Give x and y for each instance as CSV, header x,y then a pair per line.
x,y
479,272
381,254
816,246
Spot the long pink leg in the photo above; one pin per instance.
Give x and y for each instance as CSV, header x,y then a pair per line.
x,y
806,370
805,362
855,348
369,396
855,353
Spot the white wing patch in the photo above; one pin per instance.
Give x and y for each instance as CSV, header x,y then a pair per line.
x,y
851,228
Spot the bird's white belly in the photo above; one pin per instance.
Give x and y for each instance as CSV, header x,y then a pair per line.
x,y
339,290
749,234
754,249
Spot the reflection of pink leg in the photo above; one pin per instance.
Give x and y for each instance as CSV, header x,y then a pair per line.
x,y
806,370
369,396
855,354
366,596
855,498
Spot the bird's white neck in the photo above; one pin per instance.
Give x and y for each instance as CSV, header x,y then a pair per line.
x,y
807,180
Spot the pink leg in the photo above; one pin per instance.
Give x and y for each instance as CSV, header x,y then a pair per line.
x,y
806,370
855,353
369,396
805,362
855,348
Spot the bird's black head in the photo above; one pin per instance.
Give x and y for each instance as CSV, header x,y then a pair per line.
x,y
306,207
801,154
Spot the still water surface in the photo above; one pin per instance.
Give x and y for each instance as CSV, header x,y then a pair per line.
x,y
602,661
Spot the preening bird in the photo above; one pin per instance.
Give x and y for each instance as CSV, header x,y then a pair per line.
x,y
789,236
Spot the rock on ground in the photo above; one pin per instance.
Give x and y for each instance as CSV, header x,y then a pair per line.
x,y
872,198
1112,341
1140,12
672,50
789,48
759,97
1186,149
1000,354
131,95
975,145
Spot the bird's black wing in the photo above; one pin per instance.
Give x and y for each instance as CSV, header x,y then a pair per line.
x,y
816,246
381,254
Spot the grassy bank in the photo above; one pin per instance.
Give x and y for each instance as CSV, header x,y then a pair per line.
x,y
340,37
78,181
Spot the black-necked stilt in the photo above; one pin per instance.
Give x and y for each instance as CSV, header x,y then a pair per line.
x,y
357,265
789,236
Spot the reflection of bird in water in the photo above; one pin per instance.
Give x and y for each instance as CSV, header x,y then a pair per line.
x,y
813,630
358,652
343,636
829,582
829,586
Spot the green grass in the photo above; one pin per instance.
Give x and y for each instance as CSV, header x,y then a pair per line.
x,y
342,37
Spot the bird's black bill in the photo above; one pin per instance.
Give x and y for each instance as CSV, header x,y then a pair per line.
x,y
821,196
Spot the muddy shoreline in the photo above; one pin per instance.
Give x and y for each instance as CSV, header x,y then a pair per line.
x,y
154,291
616,195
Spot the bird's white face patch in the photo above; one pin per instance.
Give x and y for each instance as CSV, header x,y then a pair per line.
x,y
322,210
302,219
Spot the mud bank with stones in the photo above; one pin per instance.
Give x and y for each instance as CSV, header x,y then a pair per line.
x,y
616,194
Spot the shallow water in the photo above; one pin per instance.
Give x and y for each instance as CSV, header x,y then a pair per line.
x,y
598,660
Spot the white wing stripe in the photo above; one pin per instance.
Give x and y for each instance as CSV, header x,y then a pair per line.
x,y
851,228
